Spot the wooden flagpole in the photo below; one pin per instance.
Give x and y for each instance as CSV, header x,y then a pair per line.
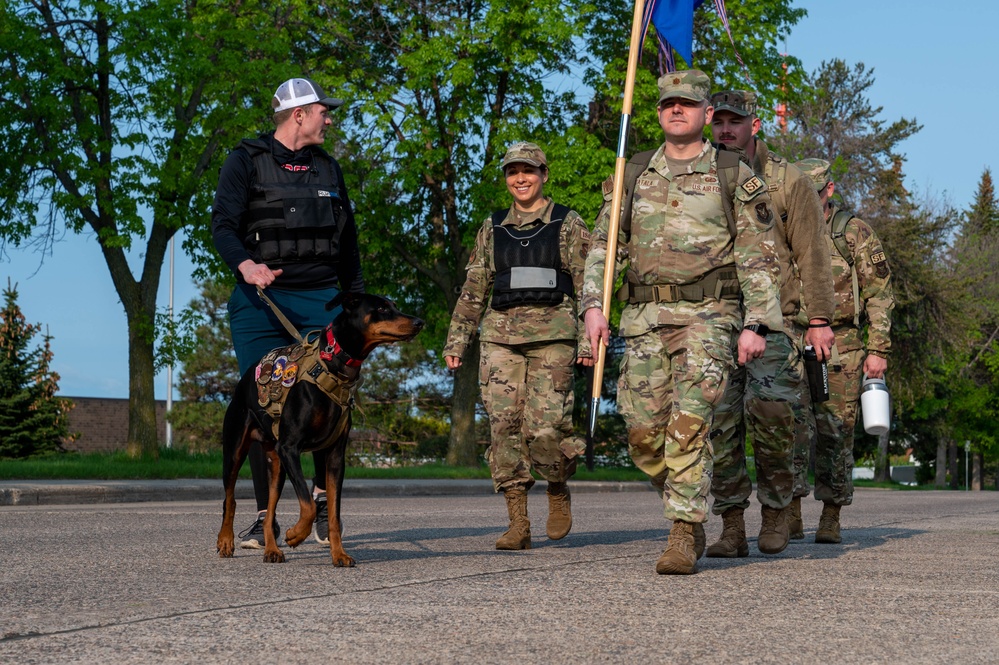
x,y
610,262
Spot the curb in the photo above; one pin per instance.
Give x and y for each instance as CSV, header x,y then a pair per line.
x,y
77,492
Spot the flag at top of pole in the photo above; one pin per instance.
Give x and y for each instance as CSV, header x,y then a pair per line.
x,y
674,23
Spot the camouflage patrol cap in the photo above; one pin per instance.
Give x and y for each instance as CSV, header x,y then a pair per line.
x,y
690,84
817,170
526,153
739,102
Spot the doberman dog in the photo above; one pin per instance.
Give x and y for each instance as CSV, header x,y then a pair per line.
x,y
311,419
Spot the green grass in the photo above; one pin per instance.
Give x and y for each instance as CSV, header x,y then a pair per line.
x,y
173,463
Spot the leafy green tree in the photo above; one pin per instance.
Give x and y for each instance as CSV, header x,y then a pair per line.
x,y
437,90
973,413
33,421
115,113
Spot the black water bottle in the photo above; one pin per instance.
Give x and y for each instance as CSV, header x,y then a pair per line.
x,y
818,376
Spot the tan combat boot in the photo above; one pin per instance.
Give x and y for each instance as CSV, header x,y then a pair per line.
x,y
679,557
773,532
795,525
518,536
559,510
700,540
828,525
733,539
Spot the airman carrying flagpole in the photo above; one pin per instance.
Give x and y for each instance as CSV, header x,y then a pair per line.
x,y
637,37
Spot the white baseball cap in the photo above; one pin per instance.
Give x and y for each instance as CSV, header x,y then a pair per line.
x,y
299,92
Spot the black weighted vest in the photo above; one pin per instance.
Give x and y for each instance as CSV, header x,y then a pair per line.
x,y
292,216
529,263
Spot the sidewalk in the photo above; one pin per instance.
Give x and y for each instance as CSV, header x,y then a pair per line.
x,y
63,492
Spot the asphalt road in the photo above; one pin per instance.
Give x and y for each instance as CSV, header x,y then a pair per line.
x,y
916,580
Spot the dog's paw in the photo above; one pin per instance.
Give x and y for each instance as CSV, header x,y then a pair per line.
x,y
343,560
276,556
224,548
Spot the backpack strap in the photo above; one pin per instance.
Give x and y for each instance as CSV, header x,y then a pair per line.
x,y
728,173
839,222
775,173
635,167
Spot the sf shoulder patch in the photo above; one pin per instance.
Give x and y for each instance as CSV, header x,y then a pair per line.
x,y
753,185
880,263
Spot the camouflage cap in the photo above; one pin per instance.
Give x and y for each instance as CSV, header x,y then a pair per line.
x,y
690,84
816,169
739,102
526,153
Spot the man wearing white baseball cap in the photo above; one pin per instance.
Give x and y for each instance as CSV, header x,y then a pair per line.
x,y
282,221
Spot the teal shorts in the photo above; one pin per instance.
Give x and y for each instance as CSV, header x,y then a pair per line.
x,y
254,328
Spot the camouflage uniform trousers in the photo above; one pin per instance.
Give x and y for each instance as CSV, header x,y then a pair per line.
x,y
671,380
527,392
834,421
760,398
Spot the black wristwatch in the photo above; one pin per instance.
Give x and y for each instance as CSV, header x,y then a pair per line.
x,y
758,328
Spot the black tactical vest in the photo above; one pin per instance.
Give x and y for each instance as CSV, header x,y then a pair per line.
x,y
292,216
529,263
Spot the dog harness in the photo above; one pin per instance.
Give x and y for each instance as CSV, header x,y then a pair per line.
x,y
329,367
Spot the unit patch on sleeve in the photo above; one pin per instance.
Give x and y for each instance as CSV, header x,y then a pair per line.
x,y
880,263
764,213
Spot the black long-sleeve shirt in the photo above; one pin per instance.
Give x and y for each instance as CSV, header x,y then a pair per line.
x,y
228,229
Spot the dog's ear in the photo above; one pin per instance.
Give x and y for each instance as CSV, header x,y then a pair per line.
x,y
351,300
336,301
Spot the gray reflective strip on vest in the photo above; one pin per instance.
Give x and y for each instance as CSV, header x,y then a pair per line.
x,y
529,277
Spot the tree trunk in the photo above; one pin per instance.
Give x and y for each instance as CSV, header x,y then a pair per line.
x,y
882,463
138,298
142,435
941,478
462,447
952,464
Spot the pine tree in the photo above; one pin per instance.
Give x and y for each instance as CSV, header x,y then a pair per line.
x,y
33,420
983,217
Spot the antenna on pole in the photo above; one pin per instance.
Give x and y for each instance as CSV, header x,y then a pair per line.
x,y
169,376
782,110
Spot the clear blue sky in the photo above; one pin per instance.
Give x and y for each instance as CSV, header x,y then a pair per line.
x,y
931,61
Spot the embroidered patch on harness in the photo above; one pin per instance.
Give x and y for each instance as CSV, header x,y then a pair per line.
x,y
290,374
263,395
278,372
752,185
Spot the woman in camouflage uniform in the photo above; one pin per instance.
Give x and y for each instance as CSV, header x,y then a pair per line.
x,y
523,281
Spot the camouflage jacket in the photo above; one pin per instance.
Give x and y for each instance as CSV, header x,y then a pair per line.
x,y
678,234
525,323
804,262
874,282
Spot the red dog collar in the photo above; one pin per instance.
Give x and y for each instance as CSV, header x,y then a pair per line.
x,y
333,349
